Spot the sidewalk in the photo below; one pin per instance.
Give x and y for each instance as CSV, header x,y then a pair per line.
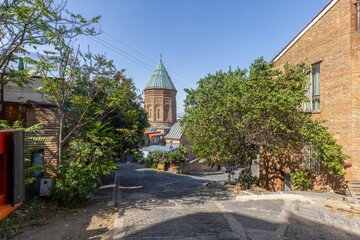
x,y
325,208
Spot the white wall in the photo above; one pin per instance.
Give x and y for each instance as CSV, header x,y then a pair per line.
x,y
14,93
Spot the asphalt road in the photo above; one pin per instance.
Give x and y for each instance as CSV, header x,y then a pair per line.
x,y
160,205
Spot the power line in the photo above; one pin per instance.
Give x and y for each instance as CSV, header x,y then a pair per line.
x,y
126,45
130,57
142,54
127,56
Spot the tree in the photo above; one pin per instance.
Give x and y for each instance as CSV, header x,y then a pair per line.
x,y
97,103
233,117
28,24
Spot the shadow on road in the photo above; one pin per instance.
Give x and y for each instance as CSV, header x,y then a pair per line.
x,y
214,226
145,188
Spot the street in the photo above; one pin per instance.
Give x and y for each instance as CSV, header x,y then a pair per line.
x,y
160,205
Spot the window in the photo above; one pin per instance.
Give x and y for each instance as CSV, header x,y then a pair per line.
x,y
158,113
313,92
166,113
315,82
150,113
14,112
310,158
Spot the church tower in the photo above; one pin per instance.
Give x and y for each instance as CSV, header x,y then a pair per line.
x,y
160,98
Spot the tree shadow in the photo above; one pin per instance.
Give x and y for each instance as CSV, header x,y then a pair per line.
x,y
149,188
272,171
208,225
182,207
83,222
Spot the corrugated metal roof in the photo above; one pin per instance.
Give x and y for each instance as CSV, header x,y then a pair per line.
x,y
154,148
160,79
163,126
175,132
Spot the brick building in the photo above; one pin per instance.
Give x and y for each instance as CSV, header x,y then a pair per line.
x,y
160,105
330,43
160,98
30,107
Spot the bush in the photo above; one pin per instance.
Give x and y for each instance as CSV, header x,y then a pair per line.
x,y
251,180
77,181
153,159
301,180
80,176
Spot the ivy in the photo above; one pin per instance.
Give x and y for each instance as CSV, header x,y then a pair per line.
x,y
301,180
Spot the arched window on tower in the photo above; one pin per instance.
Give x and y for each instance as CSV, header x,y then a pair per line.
x,y
166,113
157,112
149,111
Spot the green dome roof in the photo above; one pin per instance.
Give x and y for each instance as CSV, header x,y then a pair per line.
x,y
160,78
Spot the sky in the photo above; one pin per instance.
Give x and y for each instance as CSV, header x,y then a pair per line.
x,y
194,37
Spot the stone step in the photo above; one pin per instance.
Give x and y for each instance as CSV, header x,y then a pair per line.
x,y
354,187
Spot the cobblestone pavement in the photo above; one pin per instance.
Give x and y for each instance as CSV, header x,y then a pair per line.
x,y
161,205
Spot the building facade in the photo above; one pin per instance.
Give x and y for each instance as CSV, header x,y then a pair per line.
x,y
30,107
160,98
330,44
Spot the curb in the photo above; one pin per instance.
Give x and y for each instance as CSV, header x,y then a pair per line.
x,y
289,197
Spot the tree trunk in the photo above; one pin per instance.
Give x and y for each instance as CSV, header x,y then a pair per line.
x,y
61,123
241,181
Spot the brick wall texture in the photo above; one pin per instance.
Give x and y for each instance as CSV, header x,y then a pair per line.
x,y
160,99
49,118
334,42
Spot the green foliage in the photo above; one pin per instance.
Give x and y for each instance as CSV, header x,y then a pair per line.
x,y
177,156
27,24
331,154
301,180
251,180
234,116
154,158
10,225
77,181
80,175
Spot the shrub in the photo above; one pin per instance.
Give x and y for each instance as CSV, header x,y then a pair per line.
x,y
77,181
80,176
301,180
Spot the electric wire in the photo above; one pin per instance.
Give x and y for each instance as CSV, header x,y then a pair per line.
x,y
130,57
147,57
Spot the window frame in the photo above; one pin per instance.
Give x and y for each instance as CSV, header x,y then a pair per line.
x,y
166,113
315,90
309,106
310,158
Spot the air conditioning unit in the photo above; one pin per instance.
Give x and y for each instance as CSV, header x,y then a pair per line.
x,y
45,185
